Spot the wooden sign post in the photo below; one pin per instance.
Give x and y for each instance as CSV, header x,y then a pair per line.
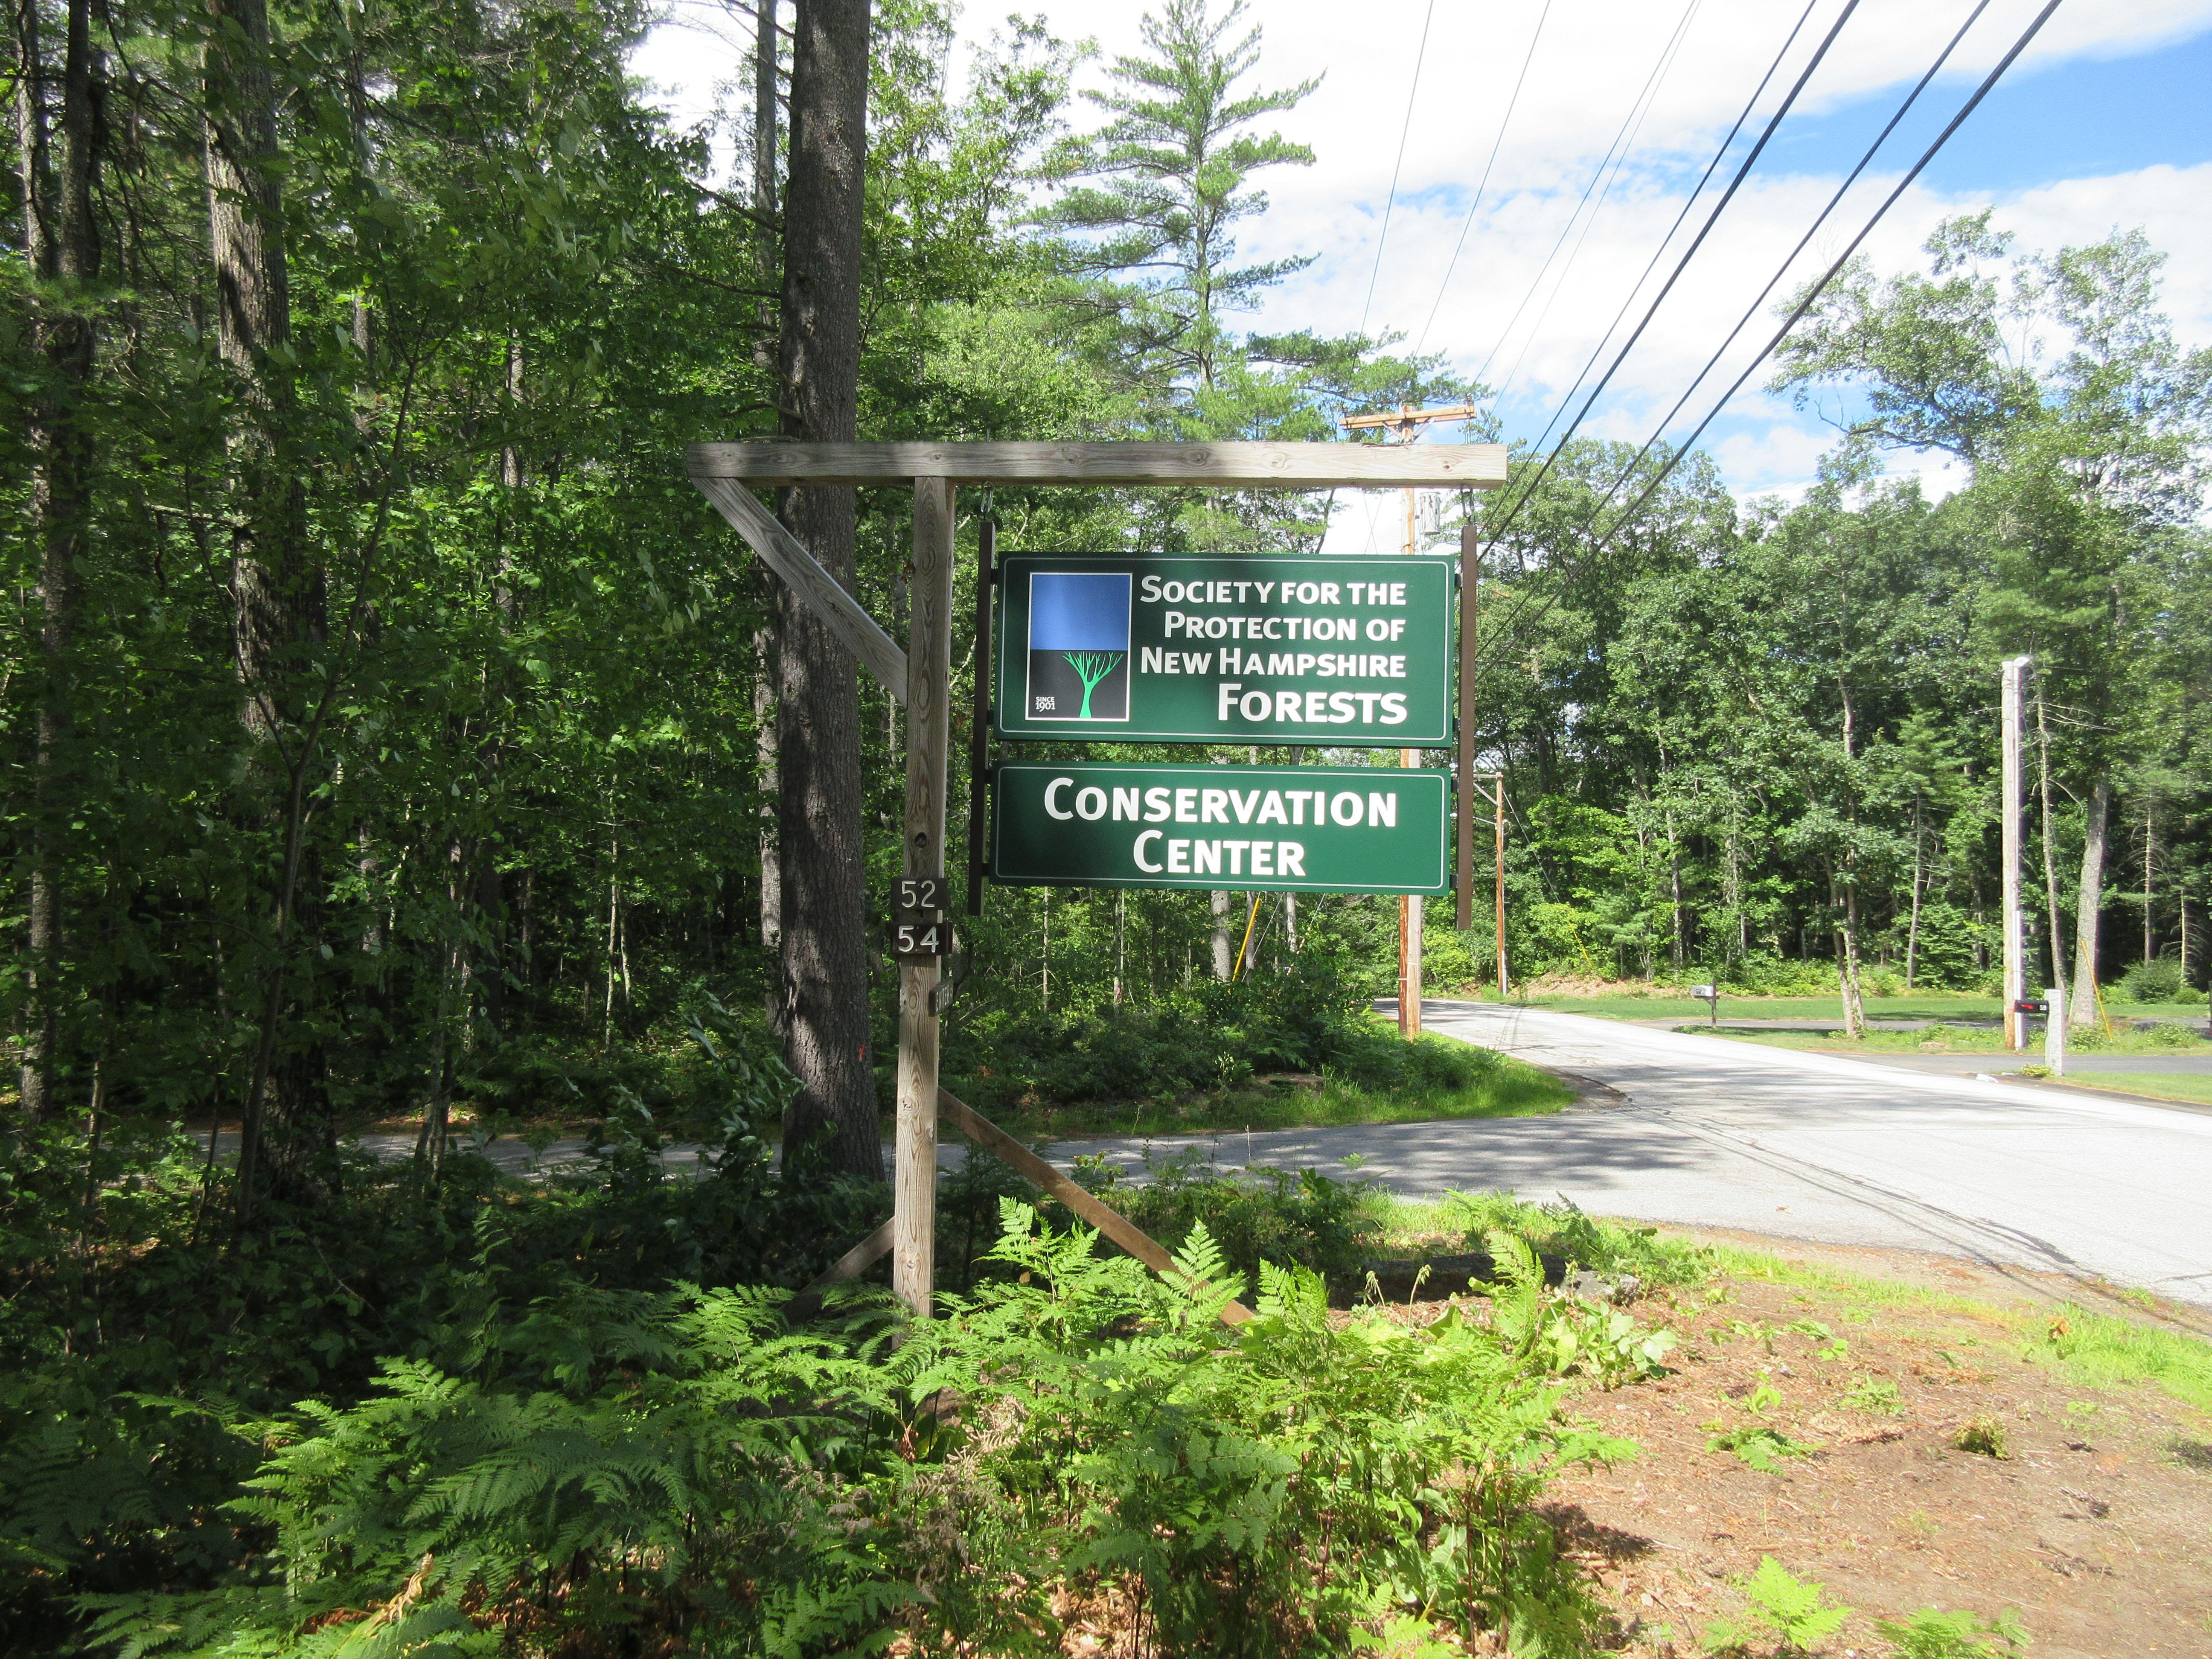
x,y
928,717
919,676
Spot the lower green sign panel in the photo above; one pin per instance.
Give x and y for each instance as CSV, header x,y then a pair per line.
x,y
1302,829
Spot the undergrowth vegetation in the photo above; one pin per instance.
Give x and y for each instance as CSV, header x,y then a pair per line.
x,y
621,1470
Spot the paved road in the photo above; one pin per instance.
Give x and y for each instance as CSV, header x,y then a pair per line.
x,y
1811,1145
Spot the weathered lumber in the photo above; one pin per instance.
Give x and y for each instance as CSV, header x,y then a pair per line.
x,y
929,707
1219,465
840,612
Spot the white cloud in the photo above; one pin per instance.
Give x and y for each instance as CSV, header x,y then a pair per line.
x,y
1589,69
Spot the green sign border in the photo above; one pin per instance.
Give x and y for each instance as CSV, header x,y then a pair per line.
x,y
1242,776
1010,660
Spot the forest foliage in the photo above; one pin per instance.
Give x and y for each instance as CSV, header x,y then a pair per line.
x,y
388,736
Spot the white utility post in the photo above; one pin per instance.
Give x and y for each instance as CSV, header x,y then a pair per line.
x,y
2015,939
2054,1031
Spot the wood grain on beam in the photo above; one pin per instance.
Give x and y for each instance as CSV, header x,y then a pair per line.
x,y
780,550
1119,1228
1239,465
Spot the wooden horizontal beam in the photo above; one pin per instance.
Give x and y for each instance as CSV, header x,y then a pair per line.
x,y
841,613
1226,466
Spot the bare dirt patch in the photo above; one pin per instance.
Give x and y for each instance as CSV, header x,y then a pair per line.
x,y
2093,1525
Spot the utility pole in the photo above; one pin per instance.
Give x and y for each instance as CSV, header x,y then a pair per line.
x,y
1406,424
1470,581
1497,787
2015,942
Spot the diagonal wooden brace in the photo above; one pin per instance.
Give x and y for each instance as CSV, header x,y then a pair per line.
x,y
1003,1146
841,613
851,1265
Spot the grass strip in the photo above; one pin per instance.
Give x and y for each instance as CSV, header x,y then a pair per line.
x,y
1506,1088
2098,1349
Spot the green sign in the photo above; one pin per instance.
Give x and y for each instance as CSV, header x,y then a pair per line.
x,y
1304,828
1112,649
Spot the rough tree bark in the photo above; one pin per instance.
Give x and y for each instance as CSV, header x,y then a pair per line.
x,y
277,594
62,248
2053,919
764,639
2098,821
824,894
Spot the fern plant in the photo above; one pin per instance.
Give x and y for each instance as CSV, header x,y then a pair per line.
x,y
1795,1614
687,1469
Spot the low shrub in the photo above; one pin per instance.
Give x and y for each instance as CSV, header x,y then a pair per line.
x,y
1283,1218
1984,1435
1608,1248
2156,980
1205,1035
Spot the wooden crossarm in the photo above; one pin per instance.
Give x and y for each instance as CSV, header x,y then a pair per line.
x,y
1222,466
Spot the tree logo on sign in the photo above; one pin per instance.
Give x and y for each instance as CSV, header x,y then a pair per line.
x,y
1079,645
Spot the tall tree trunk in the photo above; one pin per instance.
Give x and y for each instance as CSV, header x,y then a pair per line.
x,y
2084,1010
764,639
1224,952
1674,887
1919,879
825,897
62,246
276,588
2150,861
1844,897
2050,850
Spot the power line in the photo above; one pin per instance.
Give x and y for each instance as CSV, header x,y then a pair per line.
x,y
1752,310
1390,201
1666,57
1683,263
1797,314
1510,104
1689,202
1597,211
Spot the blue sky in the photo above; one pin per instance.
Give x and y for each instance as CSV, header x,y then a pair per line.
x,y
2105,124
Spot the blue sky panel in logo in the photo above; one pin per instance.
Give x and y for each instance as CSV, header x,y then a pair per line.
x,y
1079,645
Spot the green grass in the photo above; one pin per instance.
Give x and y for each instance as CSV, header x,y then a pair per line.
x,y
1916,1005
2162,1086
1657,1005
1955,1040
2094,1349
1507,1088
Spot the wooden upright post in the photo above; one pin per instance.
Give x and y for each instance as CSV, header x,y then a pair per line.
x,y
2015,941
978,731
928,698
1470,571
1409,946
